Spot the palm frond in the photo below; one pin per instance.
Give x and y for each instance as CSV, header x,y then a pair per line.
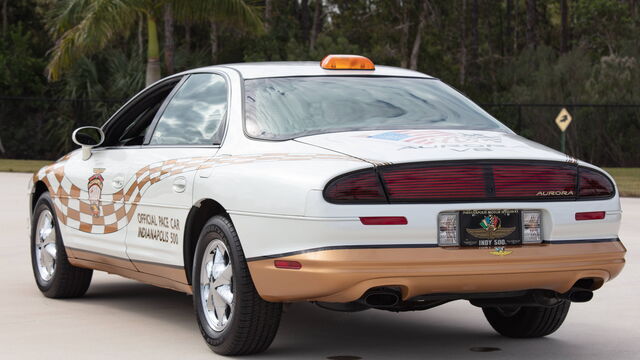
x,y
126,74
98,21
65,14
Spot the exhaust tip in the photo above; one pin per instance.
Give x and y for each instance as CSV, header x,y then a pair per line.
x,y
581,296
381,299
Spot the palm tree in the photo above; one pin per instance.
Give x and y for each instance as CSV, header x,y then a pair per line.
x,y
83,27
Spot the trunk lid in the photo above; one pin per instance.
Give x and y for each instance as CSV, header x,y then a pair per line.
x,y
401,146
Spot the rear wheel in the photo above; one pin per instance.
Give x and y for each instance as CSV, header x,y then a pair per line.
x,y
54,275
527,321
233,318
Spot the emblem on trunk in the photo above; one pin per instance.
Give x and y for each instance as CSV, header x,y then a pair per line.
x,y
500,251
554,193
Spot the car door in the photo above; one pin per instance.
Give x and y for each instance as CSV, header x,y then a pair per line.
x,y
90,211
95,212
187,132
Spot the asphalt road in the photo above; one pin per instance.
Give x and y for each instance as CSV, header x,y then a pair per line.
x,y
123,319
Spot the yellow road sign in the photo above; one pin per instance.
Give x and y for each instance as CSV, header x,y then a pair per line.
x,y
563,119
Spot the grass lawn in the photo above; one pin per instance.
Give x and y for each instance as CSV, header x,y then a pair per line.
x,y
628,179
27,166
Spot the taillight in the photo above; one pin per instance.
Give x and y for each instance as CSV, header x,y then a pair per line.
x,y
470,181
359,187
535,181
433,183
383,220
593,184
592,215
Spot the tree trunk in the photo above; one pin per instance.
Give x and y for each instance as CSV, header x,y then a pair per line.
x,y
494,44
564,26
141,36
532,20
404,33
634,15
268,11
214,41
508,26
5,22
317,24
187,35
463,42
304,20
415,51
169,43
475,39
153,52
516,23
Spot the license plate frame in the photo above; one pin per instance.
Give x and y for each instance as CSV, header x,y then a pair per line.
x,y
490,228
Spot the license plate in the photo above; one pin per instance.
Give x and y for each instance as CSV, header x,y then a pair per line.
x,y
490,228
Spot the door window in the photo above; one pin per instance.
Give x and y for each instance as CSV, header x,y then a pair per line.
x,y
196,113
132,123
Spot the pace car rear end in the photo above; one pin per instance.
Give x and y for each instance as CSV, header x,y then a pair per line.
x,y
439,202
453,229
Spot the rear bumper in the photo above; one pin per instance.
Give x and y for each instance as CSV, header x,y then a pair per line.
x,y
345,274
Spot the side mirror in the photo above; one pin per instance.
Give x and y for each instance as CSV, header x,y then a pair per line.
x,y
88,137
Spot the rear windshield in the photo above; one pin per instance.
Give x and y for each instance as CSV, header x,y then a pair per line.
x,y
290,107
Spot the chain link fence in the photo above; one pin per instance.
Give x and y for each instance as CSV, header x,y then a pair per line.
x,y
604,134
607,135
40,128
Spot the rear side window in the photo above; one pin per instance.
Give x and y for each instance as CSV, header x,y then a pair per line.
x,y
196,113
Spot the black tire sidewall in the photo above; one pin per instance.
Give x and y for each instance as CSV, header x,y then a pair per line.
x,y
44,203
528,321
216,228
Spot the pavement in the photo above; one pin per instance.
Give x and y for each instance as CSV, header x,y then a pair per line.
x,y
123,319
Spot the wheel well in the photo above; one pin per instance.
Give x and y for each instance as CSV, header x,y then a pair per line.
x,y
198,216
38,189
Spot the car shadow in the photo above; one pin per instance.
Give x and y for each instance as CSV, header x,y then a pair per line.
x,y
310,332
307,331
143,300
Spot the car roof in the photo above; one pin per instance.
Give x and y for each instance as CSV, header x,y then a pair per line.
x,y
258,70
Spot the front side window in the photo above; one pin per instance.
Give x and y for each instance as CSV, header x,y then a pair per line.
x,y
289,107
195,115
132,123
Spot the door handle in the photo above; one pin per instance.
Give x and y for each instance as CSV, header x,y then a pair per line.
x,y
179,184
118,182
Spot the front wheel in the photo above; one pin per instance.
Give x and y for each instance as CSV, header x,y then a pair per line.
x,y
54,275
233,318
527,321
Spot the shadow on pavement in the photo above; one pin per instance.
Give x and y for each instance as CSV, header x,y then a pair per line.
x,y
307,331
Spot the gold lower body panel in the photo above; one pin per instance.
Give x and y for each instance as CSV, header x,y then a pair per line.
x,y
170,277
344,275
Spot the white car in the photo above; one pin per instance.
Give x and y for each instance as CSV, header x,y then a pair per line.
x,y
343,183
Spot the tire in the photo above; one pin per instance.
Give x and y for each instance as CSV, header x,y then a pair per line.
x,y
528,321
55,276
244,325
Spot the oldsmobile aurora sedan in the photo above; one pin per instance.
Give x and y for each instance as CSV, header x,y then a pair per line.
x,y
346,184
